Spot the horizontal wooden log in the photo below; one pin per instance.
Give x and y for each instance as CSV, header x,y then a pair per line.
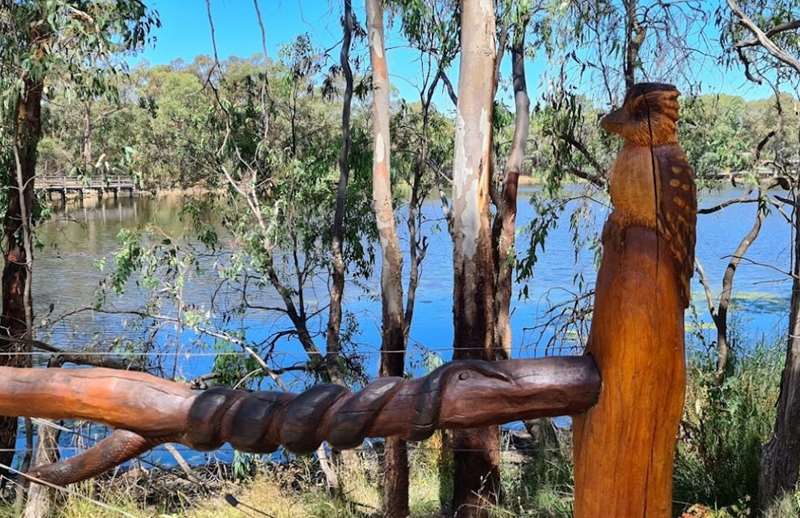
x,y
147,411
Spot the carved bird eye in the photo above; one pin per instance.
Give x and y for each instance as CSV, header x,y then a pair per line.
x,y
463,375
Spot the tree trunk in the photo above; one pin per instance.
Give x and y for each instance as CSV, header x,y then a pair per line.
x,y
395,472
337,230
39,496
634,37
16,317
348,461
780,461
508,209
476,455
721,317
86,138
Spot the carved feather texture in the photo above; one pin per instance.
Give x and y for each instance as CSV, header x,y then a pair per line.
x,y
647,121
677,211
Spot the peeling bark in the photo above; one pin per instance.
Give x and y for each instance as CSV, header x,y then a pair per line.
x,y
395,472
476,454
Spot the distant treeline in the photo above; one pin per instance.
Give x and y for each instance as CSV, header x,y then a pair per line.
x,y
160,123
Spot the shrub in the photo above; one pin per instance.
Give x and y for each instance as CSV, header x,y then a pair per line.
x,y
724,427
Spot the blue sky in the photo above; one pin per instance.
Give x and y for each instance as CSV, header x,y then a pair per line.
x,y
185,34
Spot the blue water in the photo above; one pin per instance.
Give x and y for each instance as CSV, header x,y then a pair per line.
x,y
67,276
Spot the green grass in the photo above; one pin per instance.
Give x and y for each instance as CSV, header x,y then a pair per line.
x,y
724,427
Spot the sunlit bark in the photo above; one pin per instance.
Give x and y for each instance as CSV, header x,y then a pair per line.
x,y
395,467
476,452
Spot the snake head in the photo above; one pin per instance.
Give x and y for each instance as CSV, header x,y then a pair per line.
x,y
451,378
482,393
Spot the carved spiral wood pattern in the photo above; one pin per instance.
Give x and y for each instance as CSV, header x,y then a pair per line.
x,y
147,411
263,421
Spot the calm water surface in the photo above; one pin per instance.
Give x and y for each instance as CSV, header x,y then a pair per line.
x,y
66,277
66,274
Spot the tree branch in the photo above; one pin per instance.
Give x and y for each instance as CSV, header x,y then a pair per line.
x,y
763,39
783,27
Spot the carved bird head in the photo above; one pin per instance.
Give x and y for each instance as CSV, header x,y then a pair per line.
x,y
647,117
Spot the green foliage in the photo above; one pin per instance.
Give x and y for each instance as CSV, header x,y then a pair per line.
x,y
235,370
540,486
724,428
756,60
432,27
243,465
408,128
714,135
294,164
79,41
548,213
266,136
128,259
574,146
198,212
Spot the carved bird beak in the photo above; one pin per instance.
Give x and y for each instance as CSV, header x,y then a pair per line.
x,y
614,121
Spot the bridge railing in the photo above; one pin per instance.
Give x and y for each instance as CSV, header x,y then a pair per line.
x,y
63,182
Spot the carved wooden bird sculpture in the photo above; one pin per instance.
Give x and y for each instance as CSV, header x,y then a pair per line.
x,y
624,446
652,183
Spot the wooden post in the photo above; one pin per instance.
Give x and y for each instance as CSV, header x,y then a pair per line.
x,y
624,446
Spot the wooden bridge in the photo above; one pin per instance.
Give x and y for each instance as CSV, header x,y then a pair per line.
x,y
62,185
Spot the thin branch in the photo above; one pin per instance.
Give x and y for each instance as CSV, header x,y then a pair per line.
x,y
783,27
727,203
763,40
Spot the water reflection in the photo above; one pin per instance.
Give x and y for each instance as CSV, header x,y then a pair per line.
x,y
66,276
78,238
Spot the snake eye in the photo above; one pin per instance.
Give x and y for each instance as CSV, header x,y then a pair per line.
x,y
463,375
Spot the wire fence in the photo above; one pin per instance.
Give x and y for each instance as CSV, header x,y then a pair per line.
x,y
245,353
229,499
195,458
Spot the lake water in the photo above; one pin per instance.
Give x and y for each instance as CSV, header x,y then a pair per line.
x,y
66,277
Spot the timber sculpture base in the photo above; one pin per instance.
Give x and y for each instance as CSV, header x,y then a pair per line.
x,y
147,411
624,446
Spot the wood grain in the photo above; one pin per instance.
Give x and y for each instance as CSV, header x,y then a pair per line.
x,y
147,411
624,446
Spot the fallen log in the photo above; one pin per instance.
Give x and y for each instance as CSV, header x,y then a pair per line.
x,y
147,411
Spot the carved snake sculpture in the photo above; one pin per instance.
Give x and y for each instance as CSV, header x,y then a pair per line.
x,y
147,411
